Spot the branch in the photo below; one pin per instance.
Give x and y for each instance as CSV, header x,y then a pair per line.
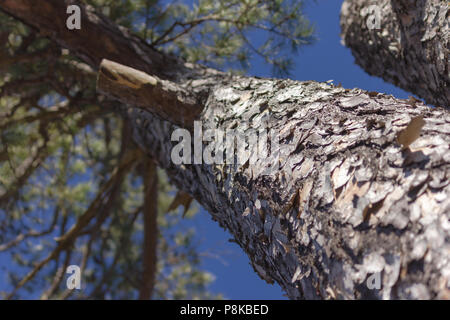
x,y
98,38
33,233
108,272
7,61
164,98
61,271
24,171
69,237
150,215
49,114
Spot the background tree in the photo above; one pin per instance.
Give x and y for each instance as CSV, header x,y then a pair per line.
x,y
408,46
68,164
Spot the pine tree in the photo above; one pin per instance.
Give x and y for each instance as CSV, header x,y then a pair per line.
x,y
68,164
356,188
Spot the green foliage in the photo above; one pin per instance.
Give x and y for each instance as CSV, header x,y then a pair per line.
x,y
60,144
222,34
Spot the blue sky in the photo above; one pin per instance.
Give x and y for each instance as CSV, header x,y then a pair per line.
x,y
325,60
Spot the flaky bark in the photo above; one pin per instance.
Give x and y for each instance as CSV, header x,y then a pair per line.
x,y
363,190
411,47
353,203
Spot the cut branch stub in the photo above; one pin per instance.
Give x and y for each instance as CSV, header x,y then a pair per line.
x,y
166,99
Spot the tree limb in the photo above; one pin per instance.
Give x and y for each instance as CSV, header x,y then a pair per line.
x,y
69,237
164,98
150,215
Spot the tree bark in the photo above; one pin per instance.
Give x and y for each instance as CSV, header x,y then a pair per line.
x,y
362,190
409,48
352,203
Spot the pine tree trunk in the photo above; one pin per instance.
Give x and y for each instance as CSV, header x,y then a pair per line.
x,y
409,47
346,202
357,189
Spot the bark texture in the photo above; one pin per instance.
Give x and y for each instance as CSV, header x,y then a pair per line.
x,y
346,203
362,189
411,47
